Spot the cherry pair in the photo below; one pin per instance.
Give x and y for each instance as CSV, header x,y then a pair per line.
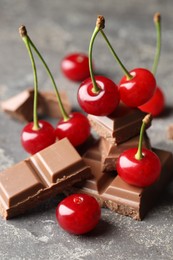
x,y
100,96
37,135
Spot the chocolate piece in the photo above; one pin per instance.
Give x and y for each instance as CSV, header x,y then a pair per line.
x,y
110,152
101,179
125,199
123,124
51,107
170,132
83,148
39,177
20,107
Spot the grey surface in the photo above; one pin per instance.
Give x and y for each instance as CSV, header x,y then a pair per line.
x,y
57,28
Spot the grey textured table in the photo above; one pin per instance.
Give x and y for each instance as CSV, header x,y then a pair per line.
x,y
57,28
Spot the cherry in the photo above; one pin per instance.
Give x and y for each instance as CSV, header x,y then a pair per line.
x,y
139,167
76,128
156,104
76,66
141,173
101,103
137,86
138,89
97,95
36,135
34,141
78,213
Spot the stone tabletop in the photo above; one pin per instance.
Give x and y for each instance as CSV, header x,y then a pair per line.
x,y
58,28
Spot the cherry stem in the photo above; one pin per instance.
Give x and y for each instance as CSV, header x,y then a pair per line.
x,y
23,34
147,119
95,88
126,72
157,22
61,106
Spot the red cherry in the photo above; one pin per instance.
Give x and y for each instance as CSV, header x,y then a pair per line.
x,y
75,66
78,213
101,103
156,104
137,166
76,128
141,173
139,89
35,140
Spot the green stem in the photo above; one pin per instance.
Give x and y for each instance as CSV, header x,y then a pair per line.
x,y
145,122
35,117
95,88
157,22
138,155
61,106
126,72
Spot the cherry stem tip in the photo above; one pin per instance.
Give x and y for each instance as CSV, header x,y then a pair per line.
x,y
147,119
157,17
100,22
22,31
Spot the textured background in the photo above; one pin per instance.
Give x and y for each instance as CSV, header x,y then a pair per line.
x,y
57,28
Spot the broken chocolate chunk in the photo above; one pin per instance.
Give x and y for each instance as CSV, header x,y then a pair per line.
x,y
170,132
123,124
41,176
20,107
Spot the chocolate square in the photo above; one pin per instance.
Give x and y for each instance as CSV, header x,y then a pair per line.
x,y
23,184
123,124
51,107
57,163
20,106
41,176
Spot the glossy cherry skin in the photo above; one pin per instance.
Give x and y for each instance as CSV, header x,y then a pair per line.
x,y
78,213
138,90
76,129
76,66
156,104
34,141
102,103
140,173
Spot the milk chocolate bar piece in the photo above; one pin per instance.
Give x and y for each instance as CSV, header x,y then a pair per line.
x,y
93,158
39,177
123,124
51,107
20,107
90,142
120,197
170,132
110,151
